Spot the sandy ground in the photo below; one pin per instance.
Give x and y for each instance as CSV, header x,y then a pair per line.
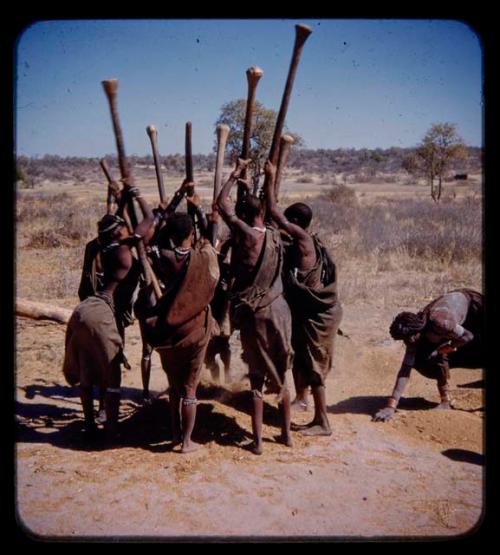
x,y
417,476
420,475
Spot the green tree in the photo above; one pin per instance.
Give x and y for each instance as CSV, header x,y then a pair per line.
x,y
439,148
264,120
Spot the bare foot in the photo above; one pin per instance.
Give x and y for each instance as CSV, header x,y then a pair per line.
x,y
285,439
299,406
317,430
190,447
176,440
255,448
101,417
298,427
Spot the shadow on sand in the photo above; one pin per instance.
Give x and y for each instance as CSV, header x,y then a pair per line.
x,y
479,384
145,426
371,404
238,400
464,455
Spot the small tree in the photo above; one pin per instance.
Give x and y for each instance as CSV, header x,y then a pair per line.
x,y
264,120
23,174
437,151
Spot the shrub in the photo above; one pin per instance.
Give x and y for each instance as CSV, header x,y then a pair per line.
x,y
305,179
341,194
54,220
450,232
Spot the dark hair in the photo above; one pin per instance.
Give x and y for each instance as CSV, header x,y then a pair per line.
x,y
407,324
178,227
107,226
249,208
299,213
109,222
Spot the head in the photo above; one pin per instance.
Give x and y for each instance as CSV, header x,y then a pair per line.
x,y
179,228
249,209
111,228
407,326
299,214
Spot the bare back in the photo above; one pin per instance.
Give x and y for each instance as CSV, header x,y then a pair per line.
x,y
173,263
116,265
247,248
301,253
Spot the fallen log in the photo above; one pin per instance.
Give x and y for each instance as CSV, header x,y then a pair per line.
x,y
37,311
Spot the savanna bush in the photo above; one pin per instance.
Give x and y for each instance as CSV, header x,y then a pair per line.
x,y
305,179
54,220
446,232
342,195
420,233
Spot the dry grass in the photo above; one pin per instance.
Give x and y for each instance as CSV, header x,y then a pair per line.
x,y
54,220
391,249
51,232
432,233
398,251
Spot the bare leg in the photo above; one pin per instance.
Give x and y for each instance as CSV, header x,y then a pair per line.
x,y
188,420
101,415
112,407
444,392
175,415
257,420
102,392
285,411
225,355
147,350
320,426
87,399
210,361
301,401
214,370
146,370
112,398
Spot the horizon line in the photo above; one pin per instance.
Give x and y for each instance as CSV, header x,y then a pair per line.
x,y
37,155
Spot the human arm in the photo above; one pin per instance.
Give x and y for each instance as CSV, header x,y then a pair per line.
x,y
194,201
223,204
269,194
144,229
159,214
121,199
114,187
178,196
244,187
213,224
303,238
87,285
456,338
401,381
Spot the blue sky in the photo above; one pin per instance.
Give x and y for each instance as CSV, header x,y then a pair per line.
x,y
360,83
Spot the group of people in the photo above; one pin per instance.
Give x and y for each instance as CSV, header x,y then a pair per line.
x,y
272,280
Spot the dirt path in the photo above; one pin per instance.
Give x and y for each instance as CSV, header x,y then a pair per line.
x,y
418,475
